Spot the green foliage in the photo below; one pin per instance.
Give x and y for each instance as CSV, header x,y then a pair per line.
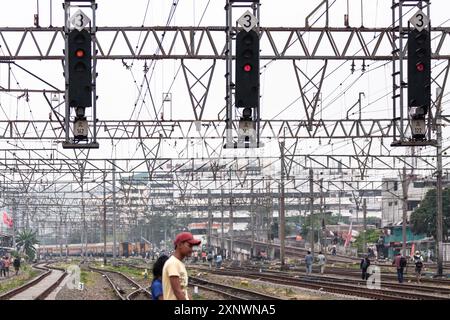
x,y
372,236
14,253
423,219
26,241
25,275
85,277
130,271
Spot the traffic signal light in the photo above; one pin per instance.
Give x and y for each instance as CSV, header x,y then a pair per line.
x,y
247,70
419,73
80,75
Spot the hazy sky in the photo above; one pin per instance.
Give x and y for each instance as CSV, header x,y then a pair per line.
x,y
118,87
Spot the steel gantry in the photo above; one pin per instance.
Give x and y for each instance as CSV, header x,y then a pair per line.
x,y
180,158
185,42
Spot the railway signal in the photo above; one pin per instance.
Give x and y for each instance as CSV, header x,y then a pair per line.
x,y
247,69
419,79
80,79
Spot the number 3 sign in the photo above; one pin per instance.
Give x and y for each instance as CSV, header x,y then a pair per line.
x,y
79,20
248,21
419,20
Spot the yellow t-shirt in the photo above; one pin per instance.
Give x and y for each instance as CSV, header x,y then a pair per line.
x,y
174,267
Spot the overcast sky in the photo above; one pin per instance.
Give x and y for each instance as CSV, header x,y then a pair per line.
x,y
118,87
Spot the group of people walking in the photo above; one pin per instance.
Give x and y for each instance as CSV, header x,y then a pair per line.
x,y
309,261
208,257
400,262
170,278
5,264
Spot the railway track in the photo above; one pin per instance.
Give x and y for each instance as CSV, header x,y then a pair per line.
x,y
355,278
387,275
331,285
352,287
355,287
231,292
124,287
39,287
356,273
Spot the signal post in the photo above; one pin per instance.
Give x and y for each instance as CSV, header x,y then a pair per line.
x,y
80,75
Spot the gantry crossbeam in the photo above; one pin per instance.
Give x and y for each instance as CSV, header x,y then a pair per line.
x,y
207,129
209,43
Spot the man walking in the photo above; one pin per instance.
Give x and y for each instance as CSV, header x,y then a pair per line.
x,y
418,261
364,265
400,264
308,262
322,260
174,275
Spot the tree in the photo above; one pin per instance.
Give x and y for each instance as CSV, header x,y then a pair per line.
x,y
372,236
423,219
26,241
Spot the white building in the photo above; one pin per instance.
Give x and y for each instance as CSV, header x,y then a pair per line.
x,y
392,195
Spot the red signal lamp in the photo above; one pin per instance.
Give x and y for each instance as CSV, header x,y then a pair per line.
x,y
420,67
79,53
247,68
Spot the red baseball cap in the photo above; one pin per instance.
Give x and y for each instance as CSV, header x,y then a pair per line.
x,y
186,236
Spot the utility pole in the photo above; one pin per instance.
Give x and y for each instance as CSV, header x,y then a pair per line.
x,y
322,217
282,224
66,232
230,228
209,220
83,234
311,208
357,201
269,212
439,218
14,222
114,209
104,216
222,240
28,213
252,221
299,210
365,226
60,234
405,208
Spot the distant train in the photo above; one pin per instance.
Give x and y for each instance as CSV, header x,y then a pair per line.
x,y
124,249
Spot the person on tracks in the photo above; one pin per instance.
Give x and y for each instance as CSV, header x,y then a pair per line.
x,y
204,256
418,261
309,262
2,267
210,258
174,275
322,261
219,260
364,265
7,265
157,288
195,256
400,263
333,250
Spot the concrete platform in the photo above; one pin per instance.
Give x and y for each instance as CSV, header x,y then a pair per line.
x,y
36,290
